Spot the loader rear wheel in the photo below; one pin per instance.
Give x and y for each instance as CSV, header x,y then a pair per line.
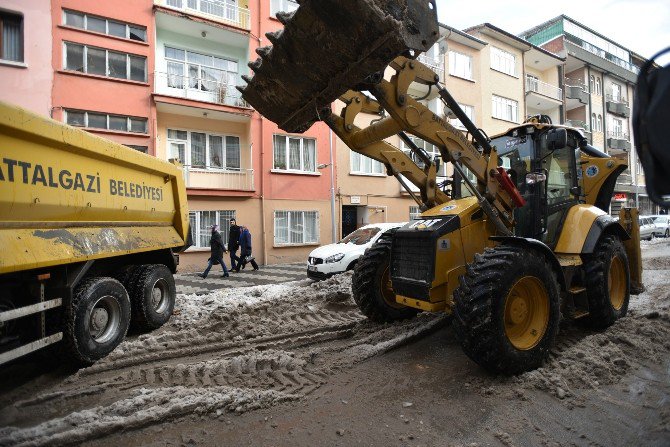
x,y
507,312
97,320
371,285
607,282
152,294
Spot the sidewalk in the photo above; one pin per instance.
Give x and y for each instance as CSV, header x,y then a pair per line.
x,y
268,274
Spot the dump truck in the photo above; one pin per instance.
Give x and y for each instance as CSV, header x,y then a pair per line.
x,y
518,239
90,232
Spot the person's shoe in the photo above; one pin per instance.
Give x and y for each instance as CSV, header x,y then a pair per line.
x,y
202,276
255,268
225,275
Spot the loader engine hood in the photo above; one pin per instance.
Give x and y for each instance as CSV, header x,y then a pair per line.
x,y
413,254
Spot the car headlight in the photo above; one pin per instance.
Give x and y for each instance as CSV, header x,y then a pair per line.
x,y
334,258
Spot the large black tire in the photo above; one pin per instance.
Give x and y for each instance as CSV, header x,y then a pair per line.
x,y
607,282
369,285
97,320
152,294
507,309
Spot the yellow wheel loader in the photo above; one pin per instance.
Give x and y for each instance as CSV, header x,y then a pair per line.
x,y
520,240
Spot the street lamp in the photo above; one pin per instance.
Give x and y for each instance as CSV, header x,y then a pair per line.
x,y
332,186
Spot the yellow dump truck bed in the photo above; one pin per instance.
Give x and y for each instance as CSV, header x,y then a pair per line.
x,y
68,196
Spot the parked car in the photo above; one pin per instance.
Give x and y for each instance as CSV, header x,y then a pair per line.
x,y
328,260
662,224
647,227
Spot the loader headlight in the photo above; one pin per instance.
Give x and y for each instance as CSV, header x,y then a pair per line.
x,y
334,258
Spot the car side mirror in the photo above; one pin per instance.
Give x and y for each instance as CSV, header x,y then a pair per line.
x,y
535,177
557,139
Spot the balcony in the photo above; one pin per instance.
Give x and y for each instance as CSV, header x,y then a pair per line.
x,y
216,10
618,141
541,96
581,125
437,65
617,105
576,93
198,89
222,179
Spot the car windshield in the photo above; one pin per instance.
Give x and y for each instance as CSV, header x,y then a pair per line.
x,y
360,237
661,220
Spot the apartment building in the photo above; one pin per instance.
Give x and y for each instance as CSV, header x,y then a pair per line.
x,y
25,58
600,77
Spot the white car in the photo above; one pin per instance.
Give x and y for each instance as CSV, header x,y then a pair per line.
x,y
662,224
327,260
647,228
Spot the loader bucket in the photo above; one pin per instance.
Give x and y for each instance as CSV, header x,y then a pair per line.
x,y
328,47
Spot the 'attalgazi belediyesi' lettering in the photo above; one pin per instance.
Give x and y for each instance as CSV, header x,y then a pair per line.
x,y
35,174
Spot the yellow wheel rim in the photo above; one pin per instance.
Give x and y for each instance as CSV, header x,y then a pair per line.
x,y
526,313
616,283
386,288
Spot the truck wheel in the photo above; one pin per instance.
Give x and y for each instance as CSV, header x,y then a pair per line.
x,y
607,282
507,309
371,285
97,320
152,294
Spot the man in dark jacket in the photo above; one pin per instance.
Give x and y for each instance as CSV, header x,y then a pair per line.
x,y
216,256
233,244
245,252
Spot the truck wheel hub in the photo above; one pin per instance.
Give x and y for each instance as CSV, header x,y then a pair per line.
x,y
526,314
105,319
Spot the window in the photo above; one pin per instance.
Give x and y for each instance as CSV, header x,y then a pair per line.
x,y
460,65
96,120
599,123
105,26
414,213
143,149
469,112
503,61
430,149
204,151
296,227
294,153
282,5
360,164
11,37
594,125
505,109
188,69
201,225
599,90
616,92
99,61
592,84
617,127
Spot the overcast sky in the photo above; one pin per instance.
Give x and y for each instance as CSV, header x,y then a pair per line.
x,y
642,26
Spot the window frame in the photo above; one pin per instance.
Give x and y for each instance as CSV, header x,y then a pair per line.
x,y
458,54
287,154
457,122
21,50
498,57
197,231
107,116
86,15
186,76
289,213
361,159
505,102
414,212
187,162
107,51
276,4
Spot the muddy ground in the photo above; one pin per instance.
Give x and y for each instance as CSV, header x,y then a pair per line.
x,y
297,364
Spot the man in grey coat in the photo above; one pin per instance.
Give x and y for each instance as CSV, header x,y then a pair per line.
x,y
216,256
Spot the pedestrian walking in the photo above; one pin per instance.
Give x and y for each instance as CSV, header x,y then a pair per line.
x,y
245,250
216,255
233,244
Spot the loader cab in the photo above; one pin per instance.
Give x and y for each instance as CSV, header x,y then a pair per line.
x,y
541,160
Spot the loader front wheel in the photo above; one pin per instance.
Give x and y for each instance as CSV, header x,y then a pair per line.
x,y
371,285
152,294
507,312
97,320
607,282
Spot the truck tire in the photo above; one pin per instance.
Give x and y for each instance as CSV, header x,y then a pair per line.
x,y
97,320
371,285
507,309
607,282
152,295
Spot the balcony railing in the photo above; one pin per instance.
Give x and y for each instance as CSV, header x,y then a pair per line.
x,y
576,83
437,65
602,53
617,99
225,179
618,135
543,88
216,10
579,124
198,89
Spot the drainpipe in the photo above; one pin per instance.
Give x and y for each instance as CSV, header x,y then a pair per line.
x,y
332,187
